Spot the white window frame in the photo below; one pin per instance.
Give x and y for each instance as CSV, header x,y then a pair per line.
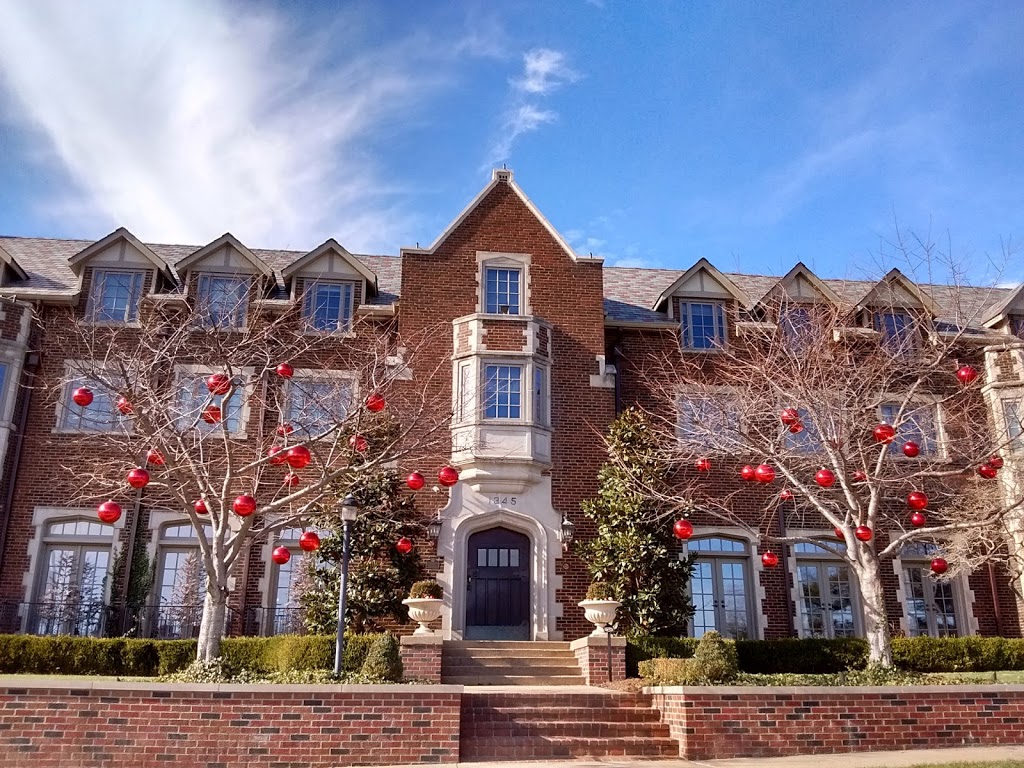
x,y
241,313
99,277
717,557
487,260
247,374
346,307
824,557
314,374
963,595
524,396
66,408
720,323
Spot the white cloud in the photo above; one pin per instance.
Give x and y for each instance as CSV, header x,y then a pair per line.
x,y
181,119
519,120
544,70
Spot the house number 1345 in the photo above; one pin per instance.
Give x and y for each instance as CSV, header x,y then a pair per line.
x,y
503,501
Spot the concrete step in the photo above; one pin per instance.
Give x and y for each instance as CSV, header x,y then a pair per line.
x,y
580,730
565,747
506,653
529,714
499,679
537,670
506,644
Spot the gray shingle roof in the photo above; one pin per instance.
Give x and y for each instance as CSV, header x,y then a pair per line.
x,y
629,293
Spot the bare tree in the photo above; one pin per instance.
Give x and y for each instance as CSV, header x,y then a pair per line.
x,y
247,430
842,414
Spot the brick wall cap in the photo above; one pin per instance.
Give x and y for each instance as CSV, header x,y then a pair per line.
x,y
435,639
60,684
840,690
590,641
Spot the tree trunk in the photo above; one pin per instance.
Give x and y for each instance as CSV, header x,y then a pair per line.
x,y
214,621
876,623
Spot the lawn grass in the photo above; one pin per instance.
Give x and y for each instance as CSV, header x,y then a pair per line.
x,y
1010,677
972,764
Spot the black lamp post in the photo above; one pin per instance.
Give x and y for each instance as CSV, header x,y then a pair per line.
x,y
349,512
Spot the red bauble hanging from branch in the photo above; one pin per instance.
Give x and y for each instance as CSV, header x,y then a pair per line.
x,y
309,541
966,374
298,457
764,473
682,529
138,478
917,500
285,429
109,512
154,457
359,444
702,465
278,455
124,406
918,519
448,476
987,471
199,505
860,476
789,416
885,433
244,505
415,481
769,559
82,397
375,402
281,555
826,478
911,449
796,429
212,414
939,566
748,473
290,480
218,384
285,371
863,533
840,533
404,545
995,461
786,494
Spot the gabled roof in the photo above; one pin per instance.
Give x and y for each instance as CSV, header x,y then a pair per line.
x,y
999,310
895,276
9,260
334,246
502,176
706,266
226,239
119,234
801,270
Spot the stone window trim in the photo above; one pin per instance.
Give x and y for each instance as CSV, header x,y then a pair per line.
x,y
468,407
356,298
184,371
491,260
318,374
94,287
73,373
963,595
757,599
13,357
793,559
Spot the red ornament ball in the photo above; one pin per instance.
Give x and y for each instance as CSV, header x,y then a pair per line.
x,y
769,559
138,478
682,529
285,371
839,532
82,397
995,461
911,449
796,429
703,465
786,494
790,416
860,476
199,505
448,476
404,545
748,473
966,374
283,430
244,505
826,478
764,473
109,512
124,406
277,455
918,519
885,433
863,533
298,457
415,481
375,403
939,566
212,414
218,384
281,555
290,480
154,457
987,471
917,500
358,443
309,541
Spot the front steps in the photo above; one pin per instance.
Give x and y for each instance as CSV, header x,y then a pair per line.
x,y
528,725
506,662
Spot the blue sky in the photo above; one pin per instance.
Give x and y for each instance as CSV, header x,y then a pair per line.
x,y
753,134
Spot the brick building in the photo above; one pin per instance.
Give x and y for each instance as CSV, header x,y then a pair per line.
x,y
536,333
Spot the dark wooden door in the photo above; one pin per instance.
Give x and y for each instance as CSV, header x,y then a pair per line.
x,y
498,586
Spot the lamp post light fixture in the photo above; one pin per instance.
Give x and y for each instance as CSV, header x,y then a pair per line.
x,y
349,513
434,528
568,533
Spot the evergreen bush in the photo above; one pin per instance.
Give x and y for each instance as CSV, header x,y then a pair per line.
x,y
383,660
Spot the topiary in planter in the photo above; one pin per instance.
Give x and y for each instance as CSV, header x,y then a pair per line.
x,y
428,588
601,590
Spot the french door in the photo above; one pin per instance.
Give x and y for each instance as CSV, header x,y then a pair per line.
x,y
827,600
930,604
720,598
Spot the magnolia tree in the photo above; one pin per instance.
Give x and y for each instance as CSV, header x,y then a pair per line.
x,y
811,423
245,432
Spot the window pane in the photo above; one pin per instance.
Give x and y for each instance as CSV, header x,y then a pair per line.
x,y
540,409
317,404
807,440
840,606
917,606
702,325
734,600
502,291
71,597
222,301
101,415
115,296
502,394
195,397
918,425
1013,415
289,586
797,327
707,421
897,331
328,306
810,596
717,545
703,592
945,610
182,585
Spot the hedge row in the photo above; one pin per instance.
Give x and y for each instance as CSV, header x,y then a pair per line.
x,y
129,657
818,656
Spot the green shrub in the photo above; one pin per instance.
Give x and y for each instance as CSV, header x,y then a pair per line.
x,y
383,660
426,588
174,655
713,663
642,648
810,656
958,654
666,671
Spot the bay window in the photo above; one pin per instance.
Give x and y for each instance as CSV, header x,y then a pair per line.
x,y
503,391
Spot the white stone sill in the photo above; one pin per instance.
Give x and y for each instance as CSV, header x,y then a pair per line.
x,y
847,690
39,683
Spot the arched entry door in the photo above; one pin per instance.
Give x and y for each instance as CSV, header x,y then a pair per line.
x,y
498,586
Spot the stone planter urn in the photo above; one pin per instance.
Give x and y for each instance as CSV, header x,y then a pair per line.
x,y
600,613
424,610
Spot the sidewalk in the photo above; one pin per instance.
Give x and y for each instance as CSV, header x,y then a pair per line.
x,y
898,759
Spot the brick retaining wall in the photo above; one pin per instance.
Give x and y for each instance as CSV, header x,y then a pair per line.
x,y
139,725
769,722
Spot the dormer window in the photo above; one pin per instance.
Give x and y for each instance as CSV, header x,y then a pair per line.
x,y
114,296
797,326
328,306
223,301
503,289
1016,323
896,329
702,324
